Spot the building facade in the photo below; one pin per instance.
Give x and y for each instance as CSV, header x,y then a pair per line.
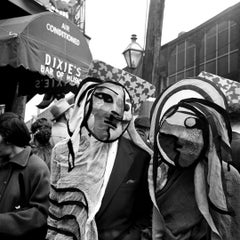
x,y
74,10
212,47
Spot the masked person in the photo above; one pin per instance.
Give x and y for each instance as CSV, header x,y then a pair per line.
x,y
194,188
99,182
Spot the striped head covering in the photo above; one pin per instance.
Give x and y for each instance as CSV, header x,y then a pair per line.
x,y
192,111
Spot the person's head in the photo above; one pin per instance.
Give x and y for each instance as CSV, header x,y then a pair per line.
x,y
41,130
188,129
104,106
60,110
100,83
13,133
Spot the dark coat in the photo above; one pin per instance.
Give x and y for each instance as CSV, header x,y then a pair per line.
x,y
228,226
126,206
24,190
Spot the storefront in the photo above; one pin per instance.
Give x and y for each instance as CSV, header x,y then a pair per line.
x,y
41,53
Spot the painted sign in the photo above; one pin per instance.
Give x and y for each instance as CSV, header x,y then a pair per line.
x,y
48,44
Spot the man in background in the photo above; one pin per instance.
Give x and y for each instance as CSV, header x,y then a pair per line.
x,y
61,112
100,172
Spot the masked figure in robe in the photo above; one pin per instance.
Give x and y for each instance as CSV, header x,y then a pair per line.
x,y
99,185
194,188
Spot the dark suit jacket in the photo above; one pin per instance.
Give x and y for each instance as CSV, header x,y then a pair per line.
x,y
235,145
126,206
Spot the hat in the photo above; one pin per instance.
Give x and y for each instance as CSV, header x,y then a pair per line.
x,y
59,108
139,89
186,88
142,121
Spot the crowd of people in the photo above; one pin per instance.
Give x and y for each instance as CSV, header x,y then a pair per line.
x,y
94,171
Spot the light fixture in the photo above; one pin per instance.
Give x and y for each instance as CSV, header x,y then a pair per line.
x,y
133,53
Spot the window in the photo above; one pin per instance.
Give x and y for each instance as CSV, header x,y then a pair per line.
x,y
182,62
219,47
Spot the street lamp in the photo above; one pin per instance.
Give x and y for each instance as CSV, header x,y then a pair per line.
x,y
133,53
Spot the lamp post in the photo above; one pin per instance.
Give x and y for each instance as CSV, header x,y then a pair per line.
x,y
133,53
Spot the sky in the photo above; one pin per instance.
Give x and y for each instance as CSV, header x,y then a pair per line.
x,y
110,24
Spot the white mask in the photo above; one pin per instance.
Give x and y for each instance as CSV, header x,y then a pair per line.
x,y
109,112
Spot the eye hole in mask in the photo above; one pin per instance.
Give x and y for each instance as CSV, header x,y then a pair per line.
x,y
105,97
193,122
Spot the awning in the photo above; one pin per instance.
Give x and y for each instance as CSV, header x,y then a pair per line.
x,y
49,52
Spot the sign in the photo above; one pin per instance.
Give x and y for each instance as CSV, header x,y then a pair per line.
x,y
49,45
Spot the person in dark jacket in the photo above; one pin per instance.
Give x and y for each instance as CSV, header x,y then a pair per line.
x,y
24,183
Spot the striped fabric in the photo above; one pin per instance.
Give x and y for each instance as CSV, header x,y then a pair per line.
x,y
76,195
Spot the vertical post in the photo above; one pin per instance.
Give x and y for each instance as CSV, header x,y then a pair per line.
x,y
151,62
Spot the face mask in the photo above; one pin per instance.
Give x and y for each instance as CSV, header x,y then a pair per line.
x,y
180,138
110,112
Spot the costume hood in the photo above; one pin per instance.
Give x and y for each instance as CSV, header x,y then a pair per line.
x,y
206,98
